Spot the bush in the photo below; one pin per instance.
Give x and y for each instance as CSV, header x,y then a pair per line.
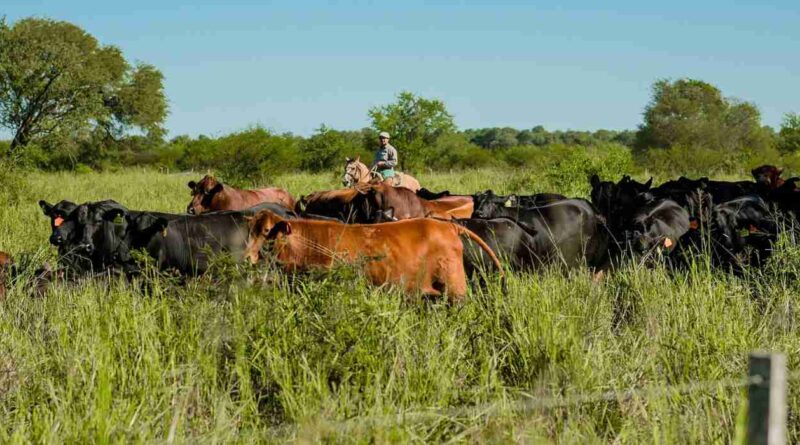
x,y
250,156
454,151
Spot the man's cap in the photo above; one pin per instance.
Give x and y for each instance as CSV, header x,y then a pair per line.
x,y
383,134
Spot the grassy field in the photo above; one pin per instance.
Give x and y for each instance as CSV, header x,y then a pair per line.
x,y
247,355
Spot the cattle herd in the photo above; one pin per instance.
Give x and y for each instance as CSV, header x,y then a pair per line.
x,y
430,243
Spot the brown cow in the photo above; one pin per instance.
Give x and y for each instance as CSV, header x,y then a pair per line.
x,y
397,203
5,264
381,202
768,175
210,195
421,255
342,204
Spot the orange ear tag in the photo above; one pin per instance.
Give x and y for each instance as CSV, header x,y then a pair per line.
x,y
58,221
667,243
693,224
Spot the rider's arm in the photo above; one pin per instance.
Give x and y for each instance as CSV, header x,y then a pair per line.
x,y
391,158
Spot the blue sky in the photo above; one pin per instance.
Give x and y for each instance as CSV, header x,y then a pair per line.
x,y
294,65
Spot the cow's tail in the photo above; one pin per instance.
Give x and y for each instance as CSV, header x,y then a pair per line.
x,y
465,231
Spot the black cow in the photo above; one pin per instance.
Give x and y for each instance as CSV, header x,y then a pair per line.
x,y
58,214
506,238
567,231
181,242
720,191
737,233
636,219
488,198
659,225
430,196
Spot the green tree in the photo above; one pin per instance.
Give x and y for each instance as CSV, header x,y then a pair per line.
x,y
327,148
789,135
58,82
693,113
415,123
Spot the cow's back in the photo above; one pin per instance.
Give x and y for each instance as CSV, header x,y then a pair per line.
x,y
189,242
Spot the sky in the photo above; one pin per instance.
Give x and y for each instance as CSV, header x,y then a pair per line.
x,y
584,65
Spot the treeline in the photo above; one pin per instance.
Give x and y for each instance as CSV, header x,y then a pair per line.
x,y
256,151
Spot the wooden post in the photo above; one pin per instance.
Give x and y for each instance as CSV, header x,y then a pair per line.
x,y
766,413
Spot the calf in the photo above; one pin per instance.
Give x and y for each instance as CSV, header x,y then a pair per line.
x,y
568,232
210,195
421,255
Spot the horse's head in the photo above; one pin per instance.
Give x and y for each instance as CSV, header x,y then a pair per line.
x,y
355,172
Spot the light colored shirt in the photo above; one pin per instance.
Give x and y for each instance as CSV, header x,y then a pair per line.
x,y
388,155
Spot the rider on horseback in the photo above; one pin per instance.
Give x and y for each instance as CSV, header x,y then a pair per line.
x,y
385,157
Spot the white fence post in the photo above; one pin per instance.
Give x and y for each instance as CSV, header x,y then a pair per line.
x,y
766,412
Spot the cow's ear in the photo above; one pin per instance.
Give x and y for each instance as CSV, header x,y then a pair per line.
x,y
192,185
46,207
649,183
595,180
115,215
280,227
216,189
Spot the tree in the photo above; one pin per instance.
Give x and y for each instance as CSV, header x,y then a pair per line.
x,y
414,124
57,81
328,148
789,135
694,113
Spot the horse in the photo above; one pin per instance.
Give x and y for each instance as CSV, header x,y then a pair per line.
x,y
357,173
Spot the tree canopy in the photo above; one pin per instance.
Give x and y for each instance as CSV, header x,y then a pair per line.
x,y
57,82
789,136
413,122
693,113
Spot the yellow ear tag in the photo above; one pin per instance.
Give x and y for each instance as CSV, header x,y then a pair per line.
x,y
118,219
744,232
668,243
164,232
508,203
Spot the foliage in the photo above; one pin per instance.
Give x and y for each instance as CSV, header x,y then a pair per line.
x,y
506,137
327,149
246,157
692,113
57,83
413,123
789,141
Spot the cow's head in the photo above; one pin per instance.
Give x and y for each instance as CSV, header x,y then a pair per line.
x,y
62,227
203,194
101,227
143,227
768,175
621,200
487,204
263,227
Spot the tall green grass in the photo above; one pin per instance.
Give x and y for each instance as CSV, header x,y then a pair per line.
x,y
251,355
